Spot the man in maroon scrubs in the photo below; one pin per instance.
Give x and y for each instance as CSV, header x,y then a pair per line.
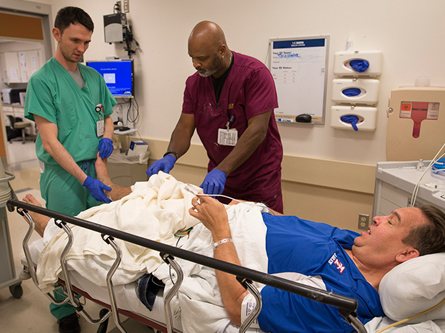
x,y
230,101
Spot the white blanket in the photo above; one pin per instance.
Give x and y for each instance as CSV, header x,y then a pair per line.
x,y
155,210
199,301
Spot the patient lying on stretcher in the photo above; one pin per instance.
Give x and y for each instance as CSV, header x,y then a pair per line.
x,y
337,260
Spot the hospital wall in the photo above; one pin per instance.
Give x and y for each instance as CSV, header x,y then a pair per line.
x,y
328,174
329,191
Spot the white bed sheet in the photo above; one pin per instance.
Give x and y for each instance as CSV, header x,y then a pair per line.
x,y
193,305
125,295
127,299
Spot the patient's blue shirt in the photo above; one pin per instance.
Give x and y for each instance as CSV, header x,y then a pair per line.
x,y
295,245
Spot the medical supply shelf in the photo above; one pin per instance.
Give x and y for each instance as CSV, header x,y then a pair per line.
x,y
395,183
129,131
8,275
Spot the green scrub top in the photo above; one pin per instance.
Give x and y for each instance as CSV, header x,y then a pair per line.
x,y
54,95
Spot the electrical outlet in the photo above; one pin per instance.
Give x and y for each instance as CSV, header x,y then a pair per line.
x,y
126,8
363,221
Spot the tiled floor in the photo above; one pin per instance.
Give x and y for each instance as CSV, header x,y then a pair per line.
x,y
31,313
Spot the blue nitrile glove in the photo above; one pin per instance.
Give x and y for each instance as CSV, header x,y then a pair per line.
x,y
359,65
214,182
353,120
352,92
164,164
105,147
97,188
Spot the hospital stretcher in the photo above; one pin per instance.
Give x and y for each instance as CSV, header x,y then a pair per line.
x,y
123,299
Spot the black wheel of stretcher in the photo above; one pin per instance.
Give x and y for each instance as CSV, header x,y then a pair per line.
x,y
16,290
103,326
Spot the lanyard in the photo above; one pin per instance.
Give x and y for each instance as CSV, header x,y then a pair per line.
x,y
231,120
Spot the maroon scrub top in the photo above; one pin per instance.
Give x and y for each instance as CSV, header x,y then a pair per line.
x,y
249,90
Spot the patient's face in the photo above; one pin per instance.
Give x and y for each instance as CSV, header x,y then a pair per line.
x,y
383,243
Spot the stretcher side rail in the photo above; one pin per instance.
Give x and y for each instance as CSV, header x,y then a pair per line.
x,y
347,306
180,275
70,289
109,240
67,286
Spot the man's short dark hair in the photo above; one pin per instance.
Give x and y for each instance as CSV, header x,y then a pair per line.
x,y
72,15
430,237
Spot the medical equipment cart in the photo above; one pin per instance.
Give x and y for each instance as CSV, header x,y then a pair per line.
x,y
125,170
395,183
8,275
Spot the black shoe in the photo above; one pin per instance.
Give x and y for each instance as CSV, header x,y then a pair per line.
x,y
69,324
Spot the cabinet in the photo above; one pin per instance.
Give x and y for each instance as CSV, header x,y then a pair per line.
x,y
395,183
17,67
29,63
10,67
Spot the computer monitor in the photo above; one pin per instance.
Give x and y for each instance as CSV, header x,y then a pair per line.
x,y
118,75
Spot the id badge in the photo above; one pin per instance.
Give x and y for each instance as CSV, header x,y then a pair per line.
x,y
227,137
100,127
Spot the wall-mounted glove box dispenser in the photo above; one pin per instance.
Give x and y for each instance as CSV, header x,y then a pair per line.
x,y
353,118
356,91
358,63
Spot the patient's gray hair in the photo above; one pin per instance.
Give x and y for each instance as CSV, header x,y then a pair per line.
x,y
430,237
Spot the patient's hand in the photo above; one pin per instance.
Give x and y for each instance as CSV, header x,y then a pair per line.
x,y
212,214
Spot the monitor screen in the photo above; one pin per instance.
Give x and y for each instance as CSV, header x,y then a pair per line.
x,y
118,75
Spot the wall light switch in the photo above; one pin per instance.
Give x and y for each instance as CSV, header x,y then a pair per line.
x,y
126,8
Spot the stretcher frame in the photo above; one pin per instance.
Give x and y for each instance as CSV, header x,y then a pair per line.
x,y
346,306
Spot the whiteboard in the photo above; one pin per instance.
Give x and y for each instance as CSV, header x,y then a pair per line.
x,y
299,68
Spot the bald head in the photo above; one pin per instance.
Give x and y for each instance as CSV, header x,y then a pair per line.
x,y
207,33
208,49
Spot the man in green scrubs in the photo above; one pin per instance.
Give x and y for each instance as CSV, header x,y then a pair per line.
x,y
71,106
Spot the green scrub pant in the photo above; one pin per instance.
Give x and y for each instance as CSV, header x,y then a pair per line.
x,y
60,311
65,194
